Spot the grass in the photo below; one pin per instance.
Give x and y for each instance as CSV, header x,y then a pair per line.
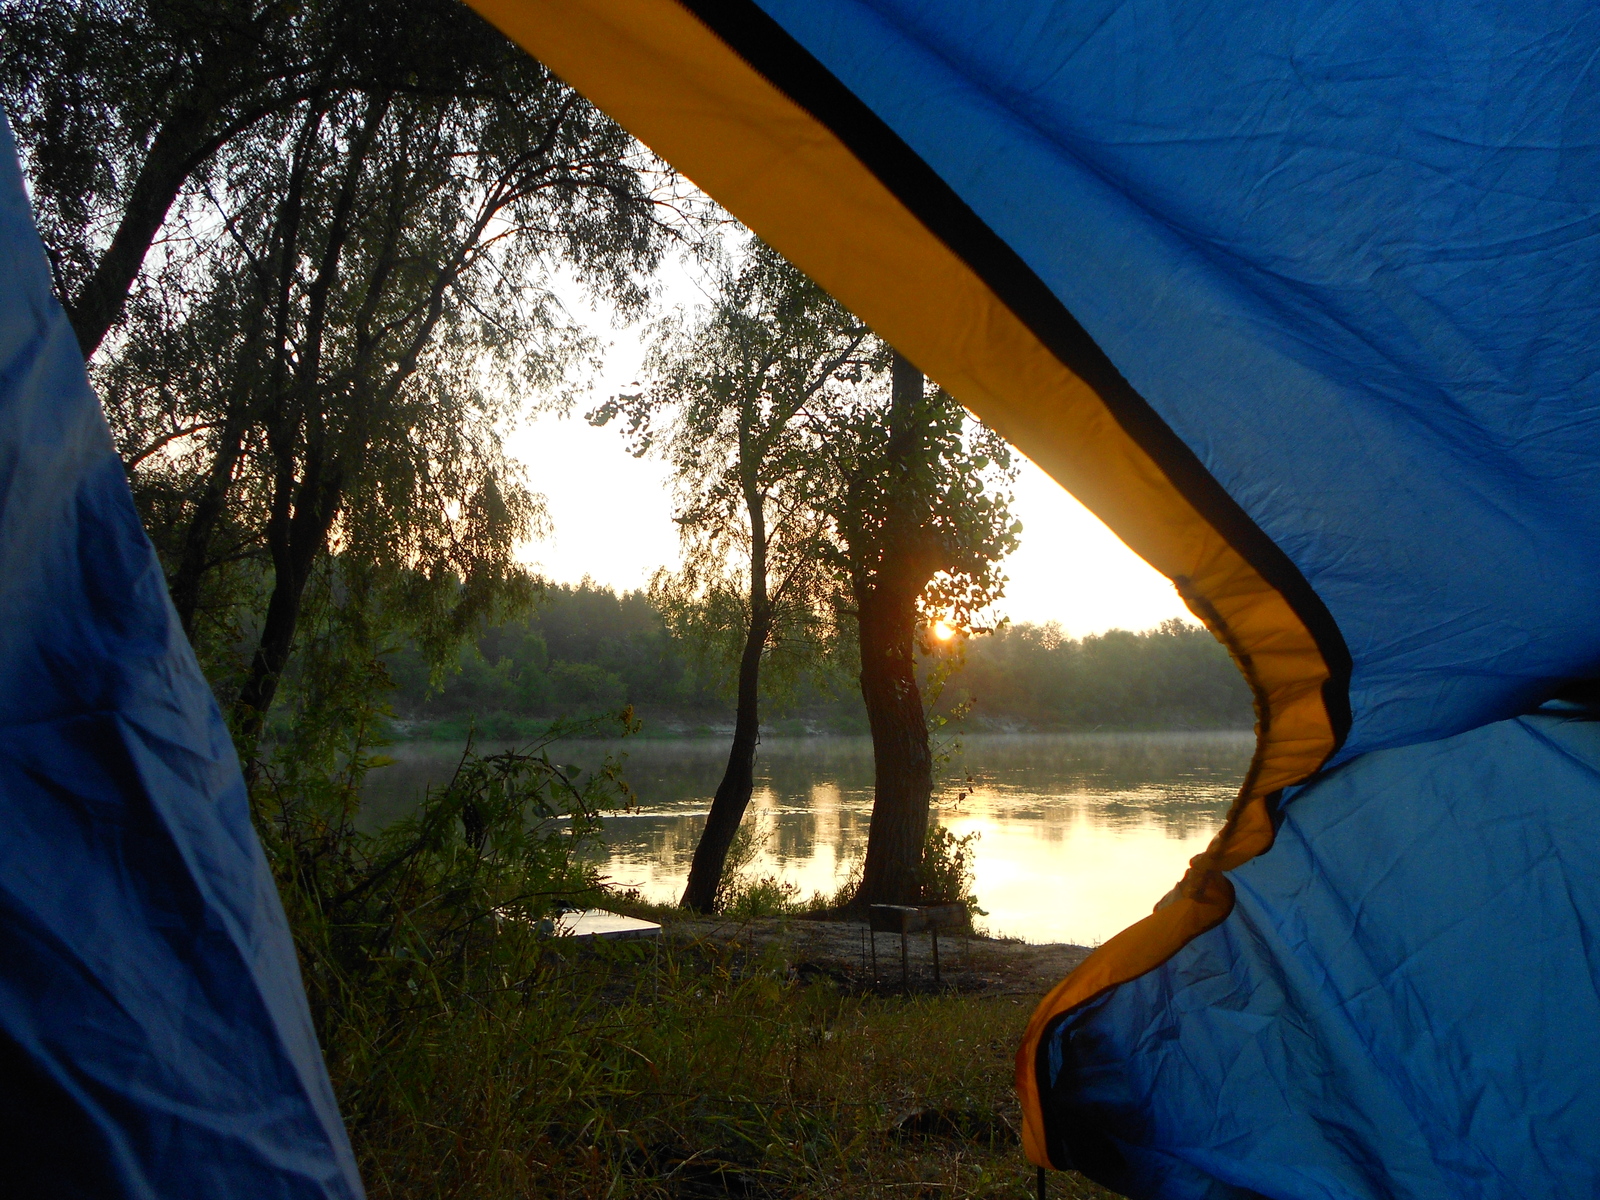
x,y
695,1072
475,1057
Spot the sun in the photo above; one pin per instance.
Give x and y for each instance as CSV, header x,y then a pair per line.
x,y
943,631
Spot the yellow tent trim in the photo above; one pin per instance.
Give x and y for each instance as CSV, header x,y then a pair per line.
x,y
682,90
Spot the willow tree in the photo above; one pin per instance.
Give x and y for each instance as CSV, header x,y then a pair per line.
x,y
121,106
352,306
921,514
732,401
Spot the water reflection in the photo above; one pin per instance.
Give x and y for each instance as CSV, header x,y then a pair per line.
x,y
1080,833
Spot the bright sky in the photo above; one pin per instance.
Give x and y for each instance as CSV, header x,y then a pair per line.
x,y
612,514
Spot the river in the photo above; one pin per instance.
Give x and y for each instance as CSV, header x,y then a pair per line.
x,y
1079,833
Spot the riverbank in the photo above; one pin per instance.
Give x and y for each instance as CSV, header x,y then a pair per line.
x,y
737,1059
496,727
854,959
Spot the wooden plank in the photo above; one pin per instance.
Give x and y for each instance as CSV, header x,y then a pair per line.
x,y
895,918
595,924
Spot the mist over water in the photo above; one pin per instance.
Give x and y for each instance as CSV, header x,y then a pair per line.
x,y
1080,833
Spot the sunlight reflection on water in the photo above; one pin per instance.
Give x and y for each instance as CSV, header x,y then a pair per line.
x,y
1080,833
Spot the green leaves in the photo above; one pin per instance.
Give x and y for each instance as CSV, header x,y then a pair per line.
x,y
508,837
733,399
361,216
922,507
947,873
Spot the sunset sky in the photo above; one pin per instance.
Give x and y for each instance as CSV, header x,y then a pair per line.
x,y
612,514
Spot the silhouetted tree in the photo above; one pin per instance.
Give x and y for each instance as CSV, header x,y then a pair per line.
x,y
732,401
351,298
922,518
120,108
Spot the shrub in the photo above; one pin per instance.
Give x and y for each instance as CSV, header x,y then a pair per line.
x,y
745,895
586,684
449,895
947,874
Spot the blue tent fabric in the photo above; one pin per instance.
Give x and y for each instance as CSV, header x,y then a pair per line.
x,y
1405,1000
154,1035
1349,253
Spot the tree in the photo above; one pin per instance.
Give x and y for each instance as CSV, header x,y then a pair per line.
x,y
743,387
118,106
1175,676
344,316
922,521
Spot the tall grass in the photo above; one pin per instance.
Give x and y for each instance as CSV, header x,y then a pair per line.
x,y
476,1056
695,1074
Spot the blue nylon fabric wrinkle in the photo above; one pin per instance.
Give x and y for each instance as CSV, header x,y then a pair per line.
x,y
154,1036
1402,1004
1349,253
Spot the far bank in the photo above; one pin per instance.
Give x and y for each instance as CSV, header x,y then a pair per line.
x,y
586,649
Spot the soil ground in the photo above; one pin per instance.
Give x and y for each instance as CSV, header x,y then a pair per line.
x,y
859,961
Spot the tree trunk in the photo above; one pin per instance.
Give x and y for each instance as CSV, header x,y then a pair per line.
x,y
272,651
886,611
296,540
738,781
296,543
901,759
172,156
208,510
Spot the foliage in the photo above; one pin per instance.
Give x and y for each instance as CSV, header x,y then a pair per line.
x,y
381,918
924,491
947,872
921,517
830,904
698,1071
732,398
331,710
118,106
742,385
581,649
475,1057
1175,676
742,894
351,298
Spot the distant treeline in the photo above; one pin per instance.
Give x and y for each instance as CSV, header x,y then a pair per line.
x,y
588,648
584,649
1176,676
